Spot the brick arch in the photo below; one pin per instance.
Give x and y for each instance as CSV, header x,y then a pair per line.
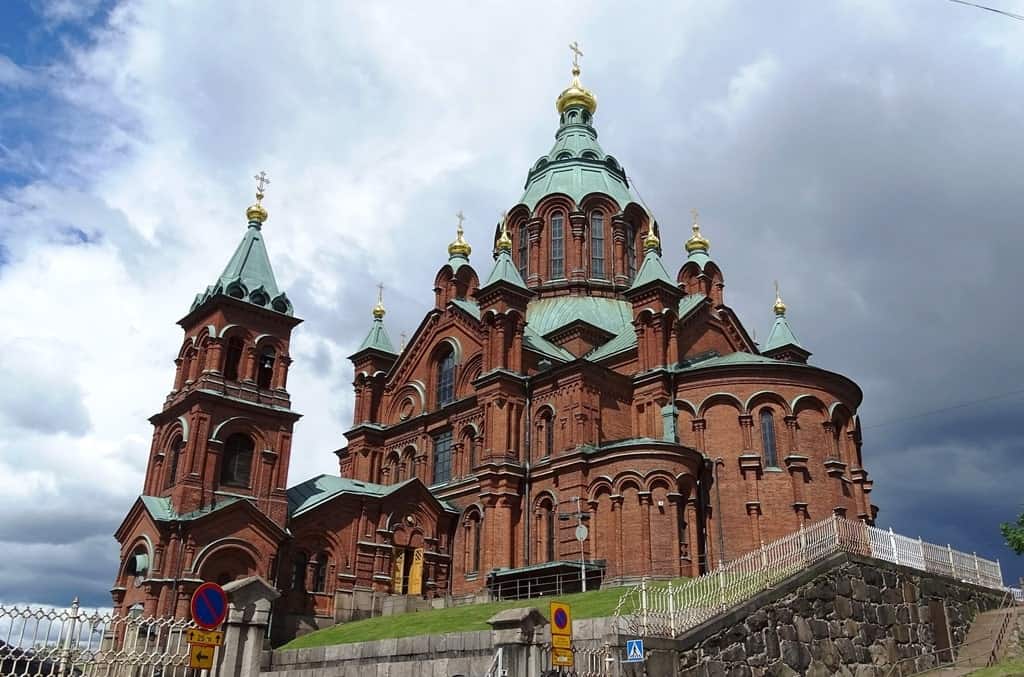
x,y
808,401
659,478
469,373
762,397
604,482
412,390
720,398
408,537
147,544
628,478
687,406
551,203
233,546
239,424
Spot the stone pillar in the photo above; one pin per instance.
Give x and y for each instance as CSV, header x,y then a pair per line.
x,y
533,228
576,268
249,601
619,265
514,633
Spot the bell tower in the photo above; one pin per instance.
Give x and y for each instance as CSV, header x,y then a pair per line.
x,y
225,430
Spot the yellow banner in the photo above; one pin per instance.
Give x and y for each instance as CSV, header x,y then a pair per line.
x,y
396,573
416,573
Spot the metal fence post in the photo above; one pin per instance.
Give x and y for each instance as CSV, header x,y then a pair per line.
x,y
952,564
835,528
977,569
764,567
721,588
803,543
672,608
65,653
643,603
920,548
892,542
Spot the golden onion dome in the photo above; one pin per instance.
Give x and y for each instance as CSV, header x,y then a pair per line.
x,y
576,95
651,241
378,310
459,247
779,306
504,243
697,242
256,213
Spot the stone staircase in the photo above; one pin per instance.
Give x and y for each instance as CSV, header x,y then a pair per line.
x,y
981,642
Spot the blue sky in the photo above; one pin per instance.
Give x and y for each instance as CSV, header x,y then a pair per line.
x,y
865,154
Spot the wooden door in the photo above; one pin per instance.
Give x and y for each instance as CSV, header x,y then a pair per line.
x,y
396,572
416,572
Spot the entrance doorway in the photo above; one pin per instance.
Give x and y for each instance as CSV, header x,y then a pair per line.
x,y
407,575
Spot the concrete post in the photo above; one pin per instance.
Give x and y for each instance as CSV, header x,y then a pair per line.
x,y
249,601
513,632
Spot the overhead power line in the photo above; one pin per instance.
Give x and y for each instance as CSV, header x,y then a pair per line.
x,y
962,405
1018,17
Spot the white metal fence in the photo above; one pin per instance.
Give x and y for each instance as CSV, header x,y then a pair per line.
x,y
669,609
45,642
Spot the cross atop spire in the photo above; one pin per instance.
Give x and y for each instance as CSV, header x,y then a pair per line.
x,y
574,47
262,181
461,218
695,214
378,310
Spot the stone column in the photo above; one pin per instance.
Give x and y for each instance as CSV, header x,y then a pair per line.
x,y
514,634
533,228
619,266
249,601
616,500
645,528
577,226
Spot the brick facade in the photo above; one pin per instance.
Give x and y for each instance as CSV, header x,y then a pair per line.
x,y
577,369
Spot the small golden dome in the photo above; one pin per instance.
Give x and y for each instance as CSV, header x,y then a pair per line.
x,y
779,307
459,247
378,310
651,241
504,243
697,242
256,213
576,95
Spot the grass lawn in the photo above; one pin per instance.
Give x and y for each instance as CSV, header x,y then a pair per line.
x,y
454,619
1007,668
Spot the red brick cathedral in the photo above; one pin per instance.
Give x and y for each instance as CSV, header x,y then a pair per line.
x,y
571,380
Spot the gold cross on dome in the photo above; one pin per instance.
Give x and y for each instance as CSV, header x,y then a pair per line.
x,y
574,47
261,184
461,218
380,292
695,214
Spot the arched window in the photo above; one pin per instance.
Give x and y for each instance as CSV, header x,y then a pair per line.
x,y
233,358
596,244
299,565
446,378
472,560
557,246
524,250
236,467
549,528
265,369
471,446
442,457
548,424
320,572
768,438
174,459
631,251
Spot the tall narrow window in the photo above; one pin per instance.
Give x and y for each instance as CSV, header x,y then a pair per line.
x,y
446,378
233,358
299,572
550,528
174,459
320,572
442,457
631,251
684,545
557,246
474,556
549,433
768,438
524,250
265,370
236,466
596,244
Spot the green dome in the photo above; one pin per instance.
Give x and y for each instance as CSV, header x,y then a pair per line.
x,y
576,165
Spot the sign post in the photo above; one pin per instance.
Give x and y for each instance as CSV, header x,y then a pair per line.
x,y
209,609
561,636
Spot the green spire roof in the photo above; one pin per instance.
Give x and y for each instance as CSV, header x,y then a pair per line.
x,y
651,270
576,165
781,335
249,276
378,339
505,271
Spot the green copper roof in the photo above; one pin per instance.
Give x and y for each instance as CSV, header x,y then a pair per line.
x,y
456,261
781,335
737,358
161,510
469,305
505,271
249,276
621,343
688,303
539,344
378,339
547,315
318,490
651,270
576,166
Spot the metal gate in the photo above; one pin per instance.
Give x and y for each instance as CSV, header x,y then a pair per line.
x,y
51,642
592,659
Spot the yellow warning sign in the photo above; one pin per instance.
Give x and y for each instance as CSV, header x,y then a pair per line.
x,y
561,641
562,658
200,656
207,637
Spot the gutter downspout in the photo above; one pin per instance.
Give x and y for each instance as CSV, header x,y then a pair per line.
x,y
528,453
718,511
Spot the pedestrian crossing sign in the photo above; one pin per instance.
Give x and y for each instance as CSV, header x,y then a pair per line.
x,y
634,651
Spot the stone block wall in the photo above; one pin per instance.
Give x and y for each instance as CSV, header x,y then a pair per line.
x,y
844,616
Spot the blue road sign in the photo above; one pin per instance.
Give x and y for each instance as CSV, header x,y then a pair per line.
x,y
634,651
209,606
